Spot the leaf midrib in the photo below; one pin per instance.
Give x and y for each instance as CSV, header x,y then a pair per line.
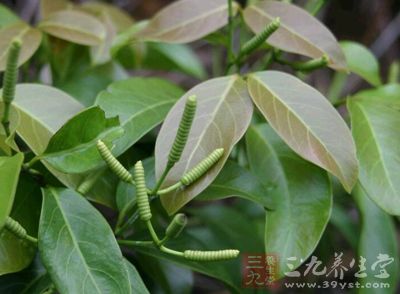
x,y
80,146
235,190
380,153
192,20
309,131
74,241
286,187
146,109
291,208
56,25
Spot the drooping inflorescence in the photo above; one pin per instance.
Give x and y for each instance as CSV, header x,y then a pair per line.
x,y
141,193
199,170
197,255
113,163
183,130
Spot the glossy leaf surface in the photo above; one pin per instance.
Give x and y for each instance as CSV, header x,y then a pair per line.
x,y
74,26
36,125
299,32
307,122
375,123
73,149
304,193
78,247
223,114
140,103
186,21
362,62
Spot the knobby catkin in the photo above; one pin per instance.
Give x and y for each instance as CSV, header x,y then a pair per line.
x,y
11,73
113,163
199,170
183,130
14,227
260,38
141,193
198,255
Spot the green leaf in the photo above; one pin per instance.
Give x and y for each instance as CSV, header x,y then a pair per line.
x,y
385,93
136,282
78,247
73,149
173,57
74,26
186,21
362,62
375,123
36,125
17,254
9,174
29,36
304,192
224,111
140,103
307,122
7,17
234,180
378,237
299,31
42,110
